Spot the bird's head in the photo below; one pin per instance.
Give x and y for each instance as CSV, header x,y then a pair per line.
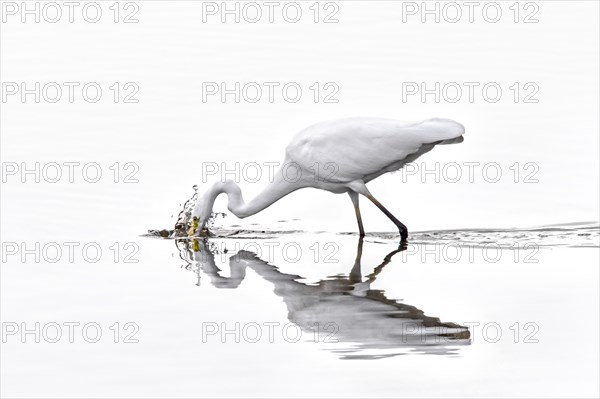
x,y
203,210
200,215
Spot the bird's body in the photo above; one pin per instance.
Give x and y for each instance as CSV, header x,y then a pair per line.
x,y
365,148
341,156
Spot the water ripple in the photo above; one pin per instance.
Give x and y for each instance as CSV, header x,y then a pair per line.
x,y
575,235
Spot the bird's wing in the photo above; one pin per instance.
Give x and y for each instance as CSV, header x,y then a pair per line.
x,y
364,148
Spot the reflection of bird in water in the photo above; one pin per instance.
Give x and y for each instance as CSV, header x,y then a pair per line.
x,y
339,156
344,306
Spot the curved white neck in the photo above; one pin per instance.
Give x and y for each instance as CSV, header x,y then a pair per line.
x,y
276,190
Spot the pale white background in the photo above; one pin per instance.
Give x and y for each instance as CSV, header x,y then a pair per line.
x,y
369,53
171,132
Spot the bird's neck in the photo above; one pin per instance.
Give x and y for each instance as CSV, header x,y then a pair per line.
x,y
274,191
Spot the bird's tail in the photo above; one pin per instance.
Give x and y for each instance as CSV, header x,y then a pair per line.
x,y
443,131
457,140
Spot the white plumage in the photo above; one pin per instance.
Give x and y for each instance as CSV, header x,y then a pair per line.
x,y
340,156
365,148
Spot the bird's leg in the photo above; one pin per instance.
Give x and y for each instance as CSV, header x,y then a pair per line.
x,y
354,198
401,227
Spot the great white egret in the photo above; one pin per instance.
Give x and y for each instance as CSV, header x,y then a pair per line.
x,y
339,156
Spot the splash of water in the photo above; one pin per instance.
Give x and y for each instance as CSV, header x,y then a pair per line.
x,y
184,220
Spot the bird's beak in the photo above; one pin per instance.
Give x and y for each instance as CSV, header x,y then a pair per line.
x,y
195,223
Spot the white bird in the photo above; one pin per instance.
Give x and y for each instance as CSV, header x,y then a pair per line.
x,y
339,156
